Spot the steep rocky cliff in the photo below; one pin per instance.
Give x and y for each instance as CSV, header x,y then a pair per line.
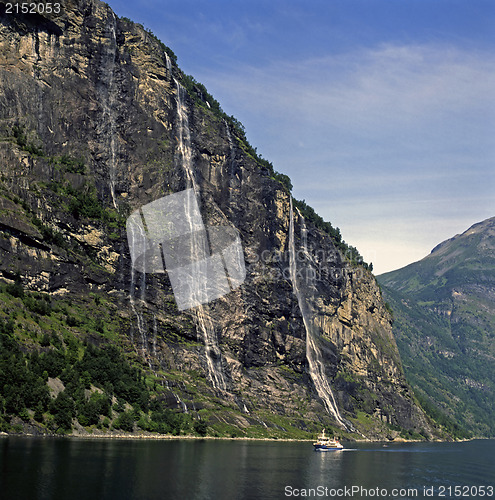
x,y
97,120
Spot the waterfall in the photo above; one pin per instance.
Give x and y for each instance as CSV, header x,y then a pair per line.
x,y
181,403
155,333
232,183
231,148
140,320
132,286
200,312
305,297
140,323
184,138
212,351
177,398
109,102
168,63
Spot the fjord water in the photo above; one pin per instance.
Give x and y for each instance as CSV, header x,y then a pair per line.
x,y
46,468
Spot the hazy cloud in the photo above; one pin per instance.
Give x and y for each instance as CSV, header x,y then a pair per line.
x,y
407,126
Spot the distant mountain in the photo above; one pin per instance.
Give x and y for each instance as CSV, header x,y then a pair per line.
x,y
444,309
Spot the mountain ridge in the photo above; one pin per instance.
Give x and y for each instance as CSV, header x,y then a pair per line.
x,y
444,325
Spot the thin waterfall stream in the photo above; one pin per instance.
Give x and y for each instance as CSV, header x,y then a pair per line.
x,y
202,316
303,292
231,164
136,303
109,102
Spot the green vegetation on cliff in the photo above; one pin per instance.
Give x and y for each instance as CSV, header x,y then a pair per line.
x,y
444,323
97,386
62,371
103,345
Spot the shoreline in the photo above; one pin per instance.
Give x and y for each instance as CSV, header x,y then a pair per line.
x,y
150,437
170,437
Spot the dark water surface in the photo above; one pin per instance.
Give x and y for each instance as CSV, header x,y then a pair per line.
x,y
72,469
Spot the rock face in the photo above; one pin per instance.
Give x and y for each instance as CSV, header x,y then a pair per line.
x,y
444,324
95,122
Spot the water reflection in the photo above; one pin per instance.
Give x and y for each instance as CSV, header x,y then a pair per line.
x,y
104,469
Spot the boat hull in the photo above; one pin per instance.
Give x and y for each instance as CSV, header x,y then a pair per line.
x,y
319,447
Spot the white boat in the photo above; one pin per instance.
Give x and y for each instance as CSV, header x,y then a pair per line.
x,y
324,443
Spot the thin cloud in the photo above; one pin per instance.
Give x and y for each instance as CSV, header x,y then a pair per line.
x,y
403,81
403,126
422,100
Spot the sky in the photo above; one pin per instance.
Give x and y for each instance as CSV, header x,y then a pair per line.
x,y
382,112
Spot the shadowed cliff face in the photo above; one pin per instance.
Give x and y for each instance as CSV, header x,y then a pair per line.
x,y
95,123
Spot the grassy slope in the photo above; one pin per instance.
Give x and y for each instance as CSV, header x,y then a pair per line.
x,y
445,327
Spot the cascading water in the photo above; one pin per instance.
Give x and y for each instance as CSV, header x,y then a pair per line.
x,y
168,63
140,321
140,317
132,286
232,177
231,153
305,297
229,138
155,334
109,101
212,351
177,398
202,316
181,403
184,137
